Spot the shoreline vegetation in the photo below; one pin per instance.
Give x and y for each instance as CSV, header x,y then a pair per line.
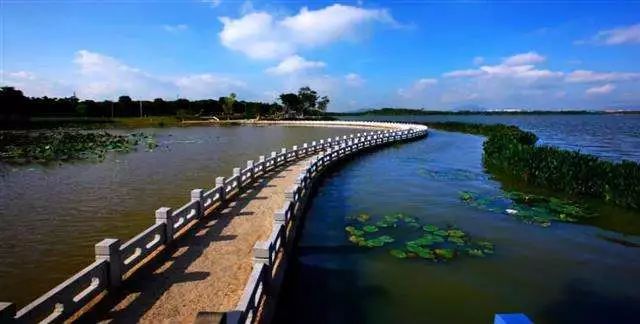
x,y
511,152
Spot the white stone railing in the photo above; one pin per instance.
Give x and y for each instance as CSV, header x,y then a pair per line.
x,y
116,261
270,257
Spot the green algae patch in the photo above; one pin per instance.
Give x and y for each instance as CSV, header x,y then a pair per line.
x,y
409,239
66,145
529,208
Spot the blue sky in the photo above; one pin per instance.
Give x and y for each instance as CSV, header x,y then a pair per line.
x,y
418,54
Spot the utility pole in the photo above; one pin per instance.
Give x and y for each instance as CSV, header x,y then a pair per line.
x,y
140,102
112,110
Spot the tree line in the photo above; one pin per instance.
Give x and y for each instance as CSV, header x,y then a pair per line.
x,y
15,106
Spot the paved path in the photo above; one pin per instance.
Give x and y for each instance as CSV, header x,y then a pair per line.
x,y
206,269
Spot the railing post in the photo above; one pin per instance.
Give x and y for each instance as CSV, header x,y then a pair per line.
x,y
283,152
236,173
295,151
280,217
163,215
251,170
305,148
261,253
196,195
274,157
7,313
109,249
223,192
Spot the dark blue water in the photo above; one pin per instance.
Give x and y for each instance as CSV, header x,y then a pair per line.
x,y
566,273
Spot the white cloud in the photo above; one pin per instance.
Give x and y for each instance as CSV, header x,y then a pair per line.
x,y
34,85
605,89
463,73
584,76
101,76
205,86
617,36
519,66
523,59
354,80
260,35
478,60
417,88
175,28
294,64
319,27
256,36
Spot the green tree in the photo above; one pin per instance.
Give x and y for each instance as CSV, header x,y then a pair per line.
x,y
291,102
227,104
323,103
308,99
12,104
81,109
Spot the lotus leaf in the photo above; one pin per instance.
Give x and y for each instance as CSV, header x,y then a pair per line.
x,y
466,196
455,233
370,228
398,254
456,240
354,231
363,218
444,253
440,233
430,228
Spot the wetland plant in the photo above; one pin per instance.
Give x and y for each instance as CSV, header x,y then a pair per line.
x,y
529,208
66,145
428,241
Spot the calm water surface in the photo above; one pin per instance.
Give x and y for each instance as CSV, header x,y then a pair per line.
x,y
614,137
52,216
565,273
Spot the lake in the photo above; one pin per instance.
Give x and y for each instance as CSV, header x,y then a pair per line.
x,y
611,136
53,215
564,273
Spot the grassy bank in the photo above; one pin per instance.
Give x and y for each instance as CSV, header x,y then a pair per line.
x,y
511,151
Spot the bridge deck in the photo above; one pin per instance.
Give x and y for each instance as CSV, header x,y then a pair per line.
x,y
207,268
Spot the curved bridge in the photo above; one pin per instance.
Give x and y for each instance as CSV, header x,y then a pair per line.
x,y
219,257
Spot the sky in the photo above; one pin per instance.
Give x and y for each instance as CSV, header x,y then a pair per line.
x,y
443,55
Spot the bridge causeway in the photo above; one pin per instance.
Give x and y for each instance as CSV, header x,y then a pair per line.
x,y
224,253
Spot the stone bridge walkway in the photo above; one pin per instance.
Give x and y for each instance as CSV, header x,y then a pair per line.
x,y
207,268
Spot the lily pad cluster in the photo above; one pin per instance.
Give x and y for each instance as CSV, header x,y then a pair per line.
x,y
529,208
66,145
428,241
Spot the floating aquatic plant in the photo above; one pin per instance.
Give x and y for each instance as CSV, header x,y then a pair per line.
x,y
66,145
429,241
534,209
